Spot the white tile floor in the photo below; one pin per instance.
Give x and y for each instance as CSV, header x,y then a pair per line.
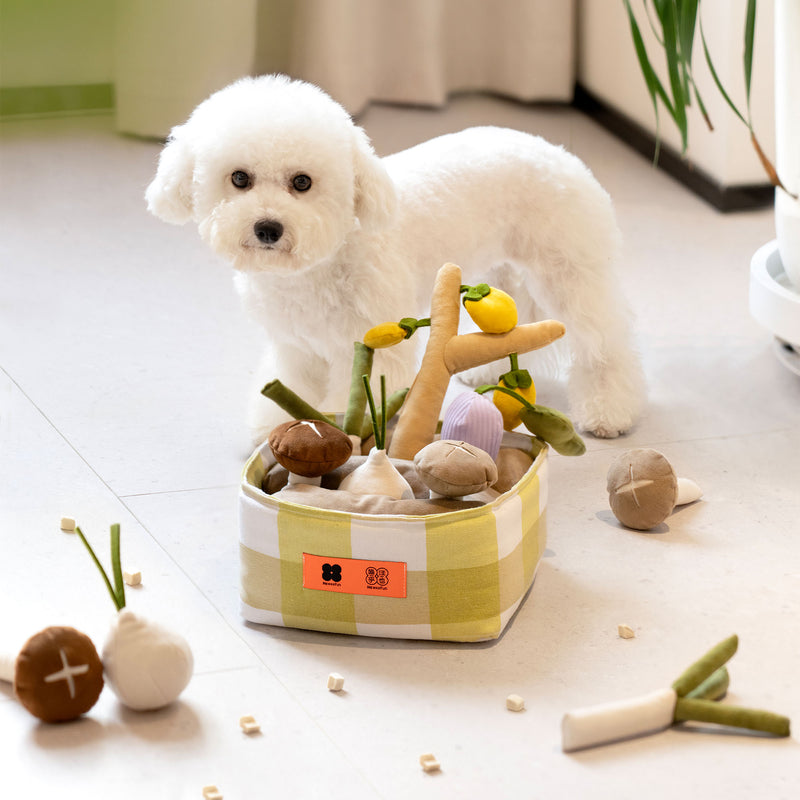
x,y
124,364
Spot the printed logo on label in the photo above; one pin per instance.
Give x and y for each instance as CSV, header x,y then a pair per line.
x,y
354,576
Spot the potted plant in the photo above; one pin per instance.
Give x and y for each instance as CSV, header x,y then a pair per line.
x,y
775,292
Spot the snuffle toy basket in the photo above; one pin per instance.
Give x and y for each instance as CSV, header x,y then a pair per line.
x,y
454,576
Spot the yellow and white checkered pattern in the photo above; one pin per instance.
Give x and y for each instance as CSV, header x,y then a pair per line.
x,y
467,571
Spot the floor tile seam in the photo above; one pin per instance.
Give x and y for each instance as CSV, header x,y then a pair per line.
x,y
189,490
60,434
297,701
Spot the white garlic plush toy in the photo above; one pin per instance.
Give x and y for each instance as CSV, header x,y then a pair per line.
x,y
146,665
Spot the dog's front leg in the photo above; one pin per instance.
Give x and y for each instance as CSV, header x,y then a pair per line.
x,y
305,374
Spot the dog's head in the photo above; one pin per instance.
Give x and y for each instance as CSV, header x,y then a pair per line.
x,y
275,174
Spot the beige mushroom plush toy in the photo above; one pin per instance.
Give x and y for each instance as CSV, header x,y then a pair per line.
x,y
643,488
454,468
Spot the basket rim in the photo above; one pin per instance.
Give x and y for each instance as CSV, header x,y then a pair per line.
x,y
511,439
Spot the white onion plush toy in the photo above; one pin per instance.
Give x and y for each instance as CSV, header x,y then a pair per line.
x,y
146,665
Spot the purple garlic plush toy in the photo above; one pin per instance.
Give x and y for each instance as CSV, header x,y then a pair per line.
x,y
475,419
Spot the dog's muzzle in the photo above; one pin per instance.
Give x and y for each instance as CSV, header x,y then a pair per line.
x,y
268,231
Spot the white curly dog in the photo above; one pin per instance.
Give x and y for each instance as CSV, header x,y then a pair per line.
x,y
328,239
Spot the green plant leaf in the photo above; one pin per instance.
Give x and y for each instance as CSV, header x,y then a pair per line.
x,y
749,37
675,69
717,80
653,84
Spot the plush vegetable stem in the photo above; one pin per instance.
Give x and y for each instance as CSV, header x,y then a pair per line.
x,y
362,365
292,404
116,566
393,404
693,709
119,600
694,675
714,687
378,429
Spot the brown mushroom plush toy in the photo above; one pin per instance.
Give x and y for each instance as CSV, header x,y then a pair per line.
x,y
309,448
643,488
57,674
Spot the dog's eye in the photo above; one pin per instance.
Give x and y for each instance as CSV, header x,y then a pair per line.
x,y
240,179
301,183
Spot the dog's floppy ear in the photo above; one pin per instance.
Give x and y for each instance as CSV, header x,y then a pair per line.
x,y
375,194
169,196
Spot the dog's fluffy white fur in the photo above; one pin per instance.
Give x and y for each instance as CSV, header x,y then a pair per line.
x,y
318,266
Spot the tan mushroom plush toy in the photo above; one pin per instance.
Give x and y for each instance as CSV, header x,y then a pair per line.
x,y
454,469
643,488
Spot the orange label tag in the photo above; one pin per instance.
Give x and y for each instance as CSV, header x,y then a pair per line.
x,y
354,575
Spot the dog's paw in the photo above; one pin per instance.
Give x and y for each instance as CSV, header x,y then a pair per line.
x,y
607,402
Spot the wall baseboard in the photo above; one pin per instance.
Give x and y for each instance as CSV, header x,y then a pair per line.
x,y
32,101
724,198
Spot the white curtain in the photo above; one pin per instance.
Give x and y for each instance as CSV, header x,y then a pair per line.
x,y
172,53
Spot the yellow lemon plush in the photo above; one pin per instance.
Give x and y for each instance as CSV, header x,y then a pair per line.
x,y
491,309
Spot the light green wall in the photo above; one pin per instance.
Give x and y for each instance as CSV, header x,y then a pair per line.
x,y
56,55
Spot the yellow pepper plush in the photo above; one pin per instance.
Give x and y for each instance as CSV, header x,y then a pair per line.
x,y
521,382
491,309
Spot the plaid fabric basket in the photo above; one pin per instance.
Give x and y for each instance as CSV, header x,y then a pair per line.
x,y
457,576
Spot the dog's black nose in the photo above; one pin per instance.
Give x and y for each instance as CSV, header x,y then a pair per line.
x,y
268,231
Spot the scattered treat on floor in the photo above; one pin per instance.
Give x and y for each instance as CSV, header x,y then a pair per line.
x,y
429,762
515,703
132,578
625,631
335,682
211,793
249,725
67,524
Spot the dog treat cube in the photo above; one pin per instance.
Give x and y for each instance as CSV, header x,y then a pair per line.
x,y
132,578
67,524
429,762
625,631
211,793
514,702
249,725
335,682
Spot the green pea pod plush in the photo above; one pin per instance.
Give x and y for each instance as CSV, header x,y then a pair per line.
x,y
555,428
545,423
